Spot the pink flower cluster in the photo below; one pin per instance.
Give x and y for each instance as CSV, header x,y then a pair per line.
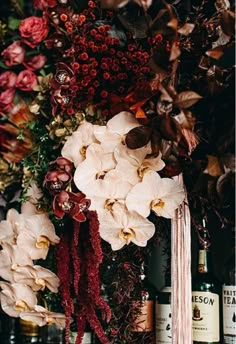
x,y
32,31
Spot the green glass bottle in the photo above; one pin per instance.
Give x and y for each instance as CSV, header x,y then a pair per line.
x,y
229,297
163,320
88,337
52,334
10,329
144,322
206,297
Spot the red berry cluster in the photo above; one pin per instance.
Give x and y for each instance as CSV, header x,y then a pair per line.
x,y
96,61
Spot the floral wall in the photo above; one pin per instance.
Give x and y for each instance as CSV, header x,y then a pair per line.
x,y
103,104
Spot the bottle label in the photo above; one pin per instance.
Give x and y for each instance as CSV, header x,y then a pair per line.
x,y
163,324
205,316
229,310
87,338
202,261
144,321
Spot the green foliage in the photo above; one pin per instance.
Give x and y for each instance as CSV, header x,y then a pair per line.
x,y
13,23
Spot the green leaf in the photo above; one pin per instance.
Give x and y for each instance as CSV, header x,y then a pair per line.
x,y
2,65
13,23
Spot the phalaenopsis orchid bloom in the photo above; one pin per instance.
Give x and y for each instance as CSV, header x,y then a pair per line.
x,y
70,203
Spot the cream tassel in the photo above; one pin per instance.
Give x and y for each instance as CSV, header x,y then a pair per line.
x,y
181,273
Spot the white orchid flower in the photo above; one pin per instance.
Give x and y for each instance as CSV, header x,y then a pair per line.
x,y
7,233
133,164
104,193
119,227
16,297
41,316
161,195
11,258
97,163
115,130
36,233
76,145
37,277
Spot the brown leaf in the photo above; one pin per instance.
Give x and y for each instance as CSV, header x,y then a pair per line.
x,y
173,23
170,128
138,137
186,119
216,53
228,22
161,74
186,29
155,143
213,168
113,4
174,52
186,99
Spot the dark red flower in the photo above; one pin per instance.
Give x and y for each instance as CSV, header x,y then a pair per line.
x,y
72,204
56,180
63,164
63,76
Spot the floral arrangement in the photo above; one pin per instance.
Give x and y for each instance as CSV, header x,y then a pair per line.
x,y
102,103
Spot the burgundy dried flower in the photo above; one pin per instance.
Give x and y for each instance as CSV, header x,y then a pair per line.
x,y
72,204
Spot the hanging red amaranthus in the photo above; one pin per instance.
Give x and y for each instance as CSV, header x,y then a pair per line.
x,y
79,256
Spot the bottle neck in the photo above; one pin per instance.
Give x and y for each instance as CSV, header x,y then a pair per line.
x,y
168,280
233,245
204,261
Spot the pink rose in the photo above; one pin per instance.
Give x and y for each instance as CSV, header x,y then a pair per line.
x,y
33,30
6,99
35,62
26,80
14,54
44,4
7,79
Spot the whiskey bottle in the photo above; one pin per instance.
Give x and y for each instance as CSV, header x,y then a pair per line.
x,y
10,329
29,332
144,321
88,337
206,296
163,313
229,298
52,334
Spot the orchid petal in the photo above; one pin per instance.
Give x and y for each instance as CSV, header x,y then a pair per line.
x,y
100,191
96,164
41,316
12,257
37,278
6,232
76,144
120,227
122,123
114,132
162,195
16,297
